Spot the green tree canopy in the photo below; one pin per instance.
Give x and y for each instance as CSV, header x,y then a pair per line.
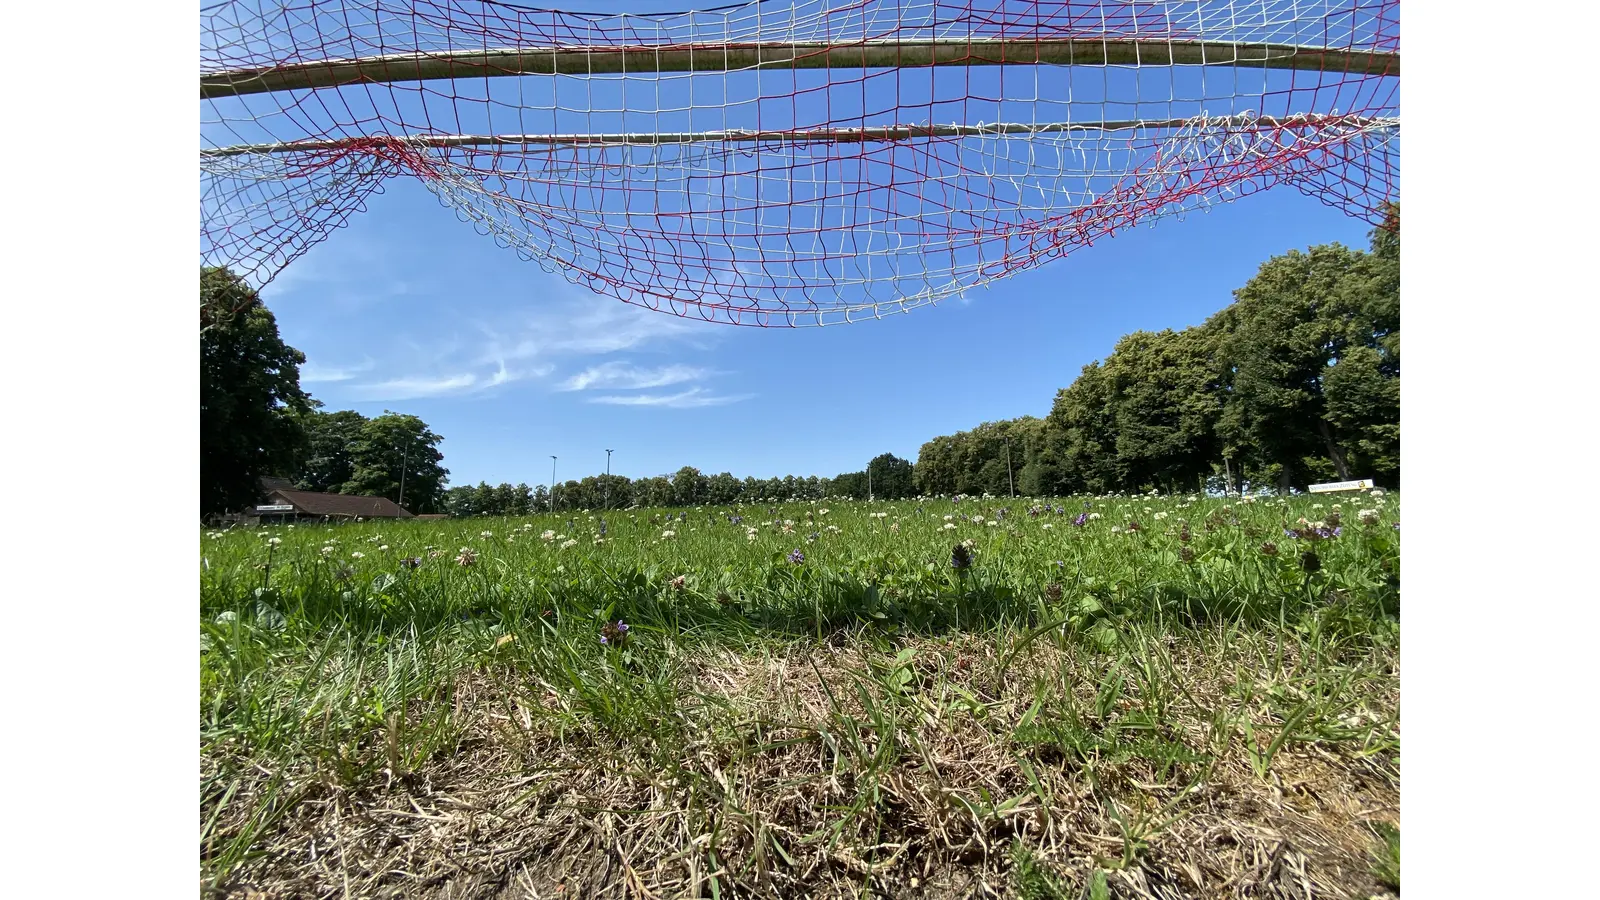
x,y
392,444
251,402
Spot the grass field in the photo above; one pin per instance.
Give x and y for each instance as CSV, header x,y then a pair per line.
x,y
1145,697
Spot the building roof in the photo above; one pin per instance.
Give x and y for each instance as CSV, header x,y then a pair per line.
x,y
311,503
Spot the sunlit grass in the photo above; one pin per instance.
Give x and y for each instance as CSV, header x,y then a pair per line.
x,y
1073,705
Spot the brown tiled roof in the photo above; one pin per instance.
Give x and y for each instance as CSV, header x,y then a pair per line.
x,y
311,503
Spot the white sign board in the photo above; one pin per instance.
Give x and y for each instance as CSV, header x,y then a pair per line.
x,y
1364,484
276,507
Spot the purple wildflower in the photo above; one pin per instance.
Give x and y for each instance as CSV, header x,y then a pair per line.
x,y
797,557
960,558
614,634
1081,519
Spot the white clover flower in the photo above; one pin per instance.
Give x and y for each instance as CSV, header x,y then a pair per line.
x,y
1368,516
1048,526
275,541
669,534
1093,516
560,537
327,550
833,528
486,534
993,523
1161,515
949,518
568,544
357,555
949,526
1116,529
1316,506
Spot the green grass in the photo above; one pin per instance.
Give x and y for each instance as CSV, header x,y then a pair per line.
x,y
1070,705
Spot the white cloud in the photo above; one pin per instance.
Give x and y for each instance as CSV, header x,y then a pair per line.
x,y
587,326
413,387
619,375
694,397
311,373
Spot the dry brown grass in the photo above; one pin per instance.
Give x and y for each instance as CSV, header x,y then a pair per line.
x,y
754,803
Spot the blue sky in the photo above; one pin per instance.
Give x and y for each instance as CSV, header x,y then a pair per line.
x,y
409,309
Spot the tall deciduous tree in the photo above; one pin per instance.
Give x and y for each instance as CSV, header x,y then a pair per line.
x,y
394,443
891,477
250,395
327,464
1165,402
1313,345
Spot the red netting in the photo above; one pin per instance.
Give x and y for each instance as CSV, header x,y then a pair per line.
x,y
797,164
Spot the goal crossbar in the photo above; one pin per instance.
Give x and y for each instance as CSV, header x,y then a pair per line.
x,y
609,60
806,136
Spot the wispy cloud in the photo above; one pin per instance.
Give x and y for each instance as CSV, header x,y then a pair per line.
x,y
311,373
694,397
619,375
414,387
587,326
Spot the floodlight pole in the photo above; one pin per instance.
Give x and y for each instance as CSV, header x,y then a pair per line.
x,y
606,503
405,459
552,482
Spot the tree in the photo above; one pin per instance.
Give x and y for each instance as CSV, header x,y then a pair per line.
x,y
1312,343
935,469
460,501
250,395
483,500
1165,405
1083,433
688,486
851,484
394,443
893,478
327,465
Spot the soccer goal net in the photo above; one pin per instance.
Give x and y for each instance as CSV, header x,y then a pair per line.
x,y
779,163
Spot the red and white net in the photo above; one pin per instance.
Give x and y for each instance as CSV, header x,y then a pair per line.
x,y
787,163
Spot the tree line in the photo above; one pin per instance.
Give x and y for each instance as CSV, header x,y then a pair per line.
x,y
1296,381
891,478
